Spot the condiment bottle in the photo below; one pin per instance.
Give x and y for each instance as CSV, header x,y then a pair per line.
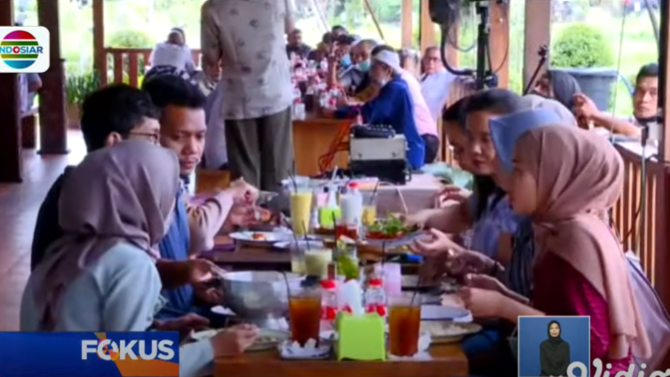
x,y
375,298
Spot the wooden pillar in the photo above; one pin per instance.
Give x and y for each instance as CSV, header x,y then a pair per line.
x,y
407,23
10,131
427,27
99,56
53,132
662,259
499,41
537,33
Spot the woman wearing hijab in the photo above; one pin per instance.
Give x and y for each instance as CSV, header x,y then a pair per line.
x,y
554,352
114,209
487,211
560,86
563,177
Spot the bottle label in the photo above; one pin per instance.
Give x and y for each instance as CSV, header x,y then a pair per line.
x,y
328,313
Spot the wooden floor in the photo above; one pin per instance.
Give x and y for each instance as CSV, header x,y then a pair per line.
x,y
19,204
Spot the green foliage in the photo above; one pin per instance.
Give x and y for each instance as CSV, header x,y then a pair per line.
x,y
78,86
130,39
581,46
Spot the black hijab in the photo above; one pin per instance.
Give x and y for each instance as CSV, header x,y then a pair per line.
x,y
554,354
564,87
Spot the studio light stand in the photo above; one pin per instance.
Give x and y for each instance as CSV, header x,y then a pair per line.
x,y
445,13
543,52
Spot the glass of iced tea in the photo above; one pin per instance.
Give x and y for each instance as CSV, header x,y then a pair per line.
x,y
404,319
304,305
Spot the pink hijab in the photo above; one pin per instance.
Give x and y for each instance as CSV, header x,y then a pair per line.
x,y
580,175
124,193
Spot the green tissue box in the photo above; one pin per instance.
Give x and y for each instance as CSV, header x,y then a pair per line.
x,y
360,337
327,217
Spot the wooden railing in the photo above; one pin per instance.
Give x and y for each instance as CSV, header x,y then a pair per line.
x,y
628,214
127,65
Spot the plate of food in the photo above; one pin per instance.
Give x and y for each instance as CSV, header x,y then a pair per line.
x,y
443,313
391,232
260,238
302,244
267,338
448,332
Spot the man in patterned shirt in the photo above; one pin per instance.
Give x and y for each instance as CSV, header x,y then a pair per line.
x,y
247,37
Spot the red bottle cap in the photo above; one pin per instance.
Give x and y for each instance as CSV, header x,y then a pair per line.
x,y
375,282
353,185
328,284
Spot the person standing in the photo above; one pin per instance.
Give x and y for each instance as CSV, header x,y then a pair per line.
x,y
295,45
257,93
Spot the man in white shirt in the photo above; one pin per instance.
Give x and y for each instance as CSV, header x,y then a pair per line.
x,y
435,81
247,37
173,53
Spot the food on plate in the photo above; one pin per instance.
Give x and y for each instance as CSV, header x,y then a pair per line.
x,y
442,329
266,340
204,334
265,216
259,237
389,228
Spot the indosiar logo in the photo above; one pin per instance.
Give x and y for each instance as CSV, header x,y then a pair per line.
x,y
109,350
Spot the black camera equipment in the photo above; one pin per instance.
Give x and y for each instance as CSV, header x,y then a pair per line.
x,y
446,14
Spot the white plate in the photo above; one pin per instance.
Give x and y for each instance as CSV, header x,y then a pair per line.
x,y
449,332
268,339
442,313
313,244
268,238
395,242
319,353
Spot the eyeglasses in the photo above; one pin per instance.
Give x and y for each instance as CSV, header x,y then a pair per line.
x,y
149,136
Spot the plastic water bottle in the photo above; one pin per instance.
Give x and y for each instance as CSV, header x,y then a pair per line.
x,y
329,303
375,298
352,206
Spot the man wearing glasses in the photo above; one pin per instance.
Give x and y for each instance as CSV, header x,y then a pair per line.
x,y
109,115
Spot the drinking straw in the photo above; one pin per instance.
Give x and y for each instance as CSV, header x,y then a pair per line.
x,y
288,286
306,238
374,194
292,178
416,290
295,237
334,174
383,256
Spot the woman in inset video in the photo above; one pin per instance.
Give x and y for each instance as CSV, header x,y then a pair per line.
x,y
554,353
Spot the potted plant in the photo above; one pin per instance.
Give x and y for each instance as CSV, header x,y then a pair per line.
x,y
582,51
78,86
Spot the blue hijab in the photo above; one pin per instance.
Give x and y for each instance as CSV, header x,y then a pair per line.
x,y
506,130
